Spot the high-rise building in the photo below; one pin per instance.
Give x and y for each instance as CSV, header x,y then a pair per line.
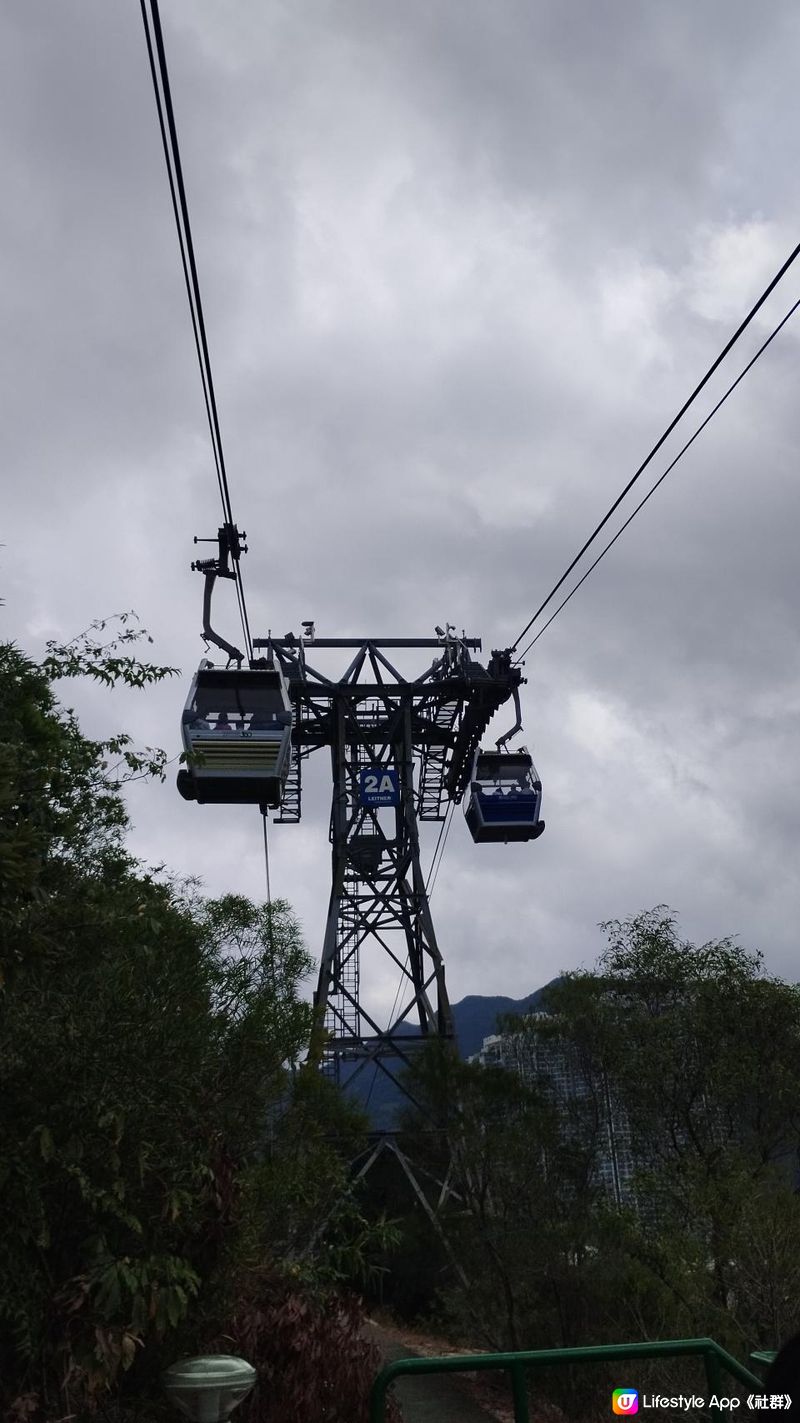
x,y
538,1056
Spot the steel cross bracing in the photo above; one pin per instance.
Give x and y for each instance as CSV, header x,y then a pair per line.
x,y
373,716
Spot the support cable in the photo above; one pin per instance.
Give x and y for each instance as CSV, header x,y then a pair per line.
x,y
442,831
270,926
266,860
671,466
169,139
734,338
447,825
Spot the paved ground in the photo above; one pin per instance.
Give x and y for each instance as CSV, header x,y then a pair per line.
x,y
437,1399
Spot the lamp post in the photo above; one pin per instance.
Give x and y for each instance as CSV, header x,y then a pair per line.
x,y
208,1388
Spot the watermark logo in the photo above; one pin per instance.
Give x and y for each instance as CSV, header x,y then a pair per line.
x,y
625,1401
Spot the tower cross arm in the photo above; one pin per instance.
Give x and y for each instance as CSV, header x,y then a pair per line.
x,y
474,643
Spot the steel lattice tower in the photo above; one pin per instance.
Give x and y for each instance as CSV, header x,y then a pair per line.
x,y
417,737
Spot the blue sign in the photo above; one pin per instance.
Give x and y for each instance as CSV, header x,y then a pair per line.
x,y
379,785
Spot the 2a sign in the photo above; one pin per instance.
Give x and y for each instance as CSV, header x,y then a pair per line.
x,y
379,785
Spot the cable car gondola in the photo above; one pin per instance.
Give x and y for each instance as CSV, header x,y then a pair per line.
x,y
237,732
504,798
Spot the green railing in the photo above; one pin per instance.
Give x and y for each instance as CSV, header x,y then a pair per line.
x,y
763,1357
715,1359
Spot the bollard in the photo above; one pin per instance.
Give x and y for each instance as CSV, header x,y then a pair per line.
x,y
208,1388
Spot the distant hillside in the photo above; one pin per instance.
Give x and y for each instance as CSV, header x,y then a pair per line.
x,y
475,1018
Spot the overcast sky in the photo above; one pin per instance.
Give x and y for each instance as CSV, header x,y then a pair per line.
x,y
461,263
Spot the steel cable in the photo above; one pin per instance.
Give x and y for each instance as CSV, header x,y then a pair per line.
x,y
169,139
671,466
657,446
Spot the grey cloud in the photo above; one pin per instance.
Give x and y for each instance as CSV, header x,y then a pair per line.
x,y
452,263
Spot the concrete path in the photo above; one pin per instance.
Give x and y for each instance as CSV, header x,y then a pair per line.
x,y
439,1398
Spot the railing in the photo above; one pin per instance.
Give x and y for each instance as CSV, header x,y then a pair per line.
x,y
763,1357
715,1359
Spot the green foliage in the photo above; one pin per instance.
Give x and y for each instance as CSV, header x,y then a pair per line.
x,y
302,1194
142,1065
82,656
146,1037
59,800
521,1203
697,1052
702,1052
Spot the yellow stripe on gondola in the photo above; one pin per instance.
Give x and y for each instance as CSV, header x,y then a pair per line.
x,y
246,748
236,760
272,749
227,743
233,762
261,767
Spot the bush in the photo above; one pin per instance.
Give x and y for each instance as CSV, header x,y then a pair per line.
x,y
314,1363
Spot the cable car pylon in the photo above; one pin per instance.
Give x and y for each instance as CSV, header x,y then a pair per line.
x,y
247,732
402,750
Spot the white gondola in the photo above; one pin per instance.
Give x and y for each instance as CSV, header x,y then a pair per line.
x,y
237,732
504,800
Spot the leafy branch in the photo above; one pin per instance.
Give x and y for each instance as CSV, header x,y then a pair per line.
x,y
85,656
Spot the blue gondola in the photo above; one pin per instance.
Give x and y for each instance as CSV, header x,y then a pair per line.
x,y
237,731
504,798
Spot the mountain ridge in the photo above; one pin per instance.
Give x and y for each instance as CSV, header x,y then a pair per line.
x,y
474,1018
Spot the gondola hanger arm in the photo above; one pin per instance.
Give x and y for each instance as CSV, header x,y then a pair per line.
x,y
517,724
230,546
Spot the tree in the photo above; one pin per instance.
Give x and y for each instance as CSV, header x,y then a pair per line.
x,y
60,802
519,1216
702,1051
697,1052
146,1038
